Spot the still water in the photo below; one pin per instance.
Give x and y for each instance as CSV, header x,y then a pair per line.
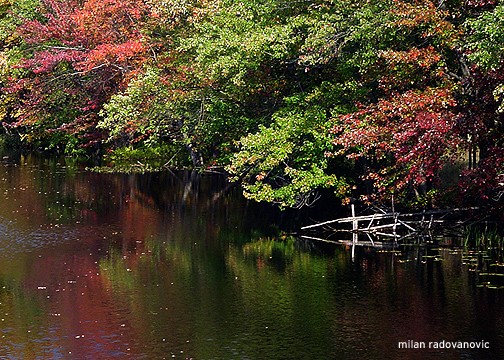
x,y
167,265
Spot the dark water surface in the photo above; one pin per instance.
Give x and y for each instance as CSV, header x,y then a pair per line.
x,y
100,266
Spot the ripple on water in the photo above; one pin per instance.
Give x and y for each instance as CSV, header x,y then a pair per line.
x,y
14,241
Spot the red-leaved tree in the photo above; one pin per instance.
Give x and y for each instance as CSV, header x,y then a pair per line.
x,y
80,54
405,140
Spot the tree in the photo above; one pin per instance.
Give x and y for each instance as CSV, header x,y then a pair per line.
x,y
11,47
285,163
485,104
429,108
224,71
405,140
366,55
75,58
376,96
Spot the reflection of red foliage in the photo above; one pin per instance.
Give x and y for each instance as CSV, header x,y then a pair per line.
x,y
81,304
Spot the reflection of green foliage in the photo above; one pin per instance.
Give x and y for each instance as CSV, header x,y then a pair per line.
x,y
283,286
267,246
279,285
21,312
182,258
276,254
61,205
62,211
120,276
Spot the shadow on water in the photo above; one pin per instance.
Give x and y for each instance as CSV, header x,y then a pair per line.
x,y
168,265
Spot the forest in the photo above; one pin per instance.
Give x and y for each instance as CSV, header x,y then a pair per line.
x,y
388,101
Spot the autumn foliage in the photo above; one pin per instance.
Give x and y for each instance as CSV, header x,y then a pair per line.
x,y
398,100
88,35
77,55
408,138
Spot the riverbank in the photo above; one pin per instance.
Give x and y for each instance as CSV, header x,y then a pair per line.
x,y
155,160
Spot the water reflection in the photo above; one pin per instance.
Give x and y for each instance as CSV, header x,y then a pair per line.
x,y
97,266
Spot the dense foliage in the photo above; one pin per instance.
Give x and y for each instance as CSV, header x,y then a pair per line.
x,y
388,100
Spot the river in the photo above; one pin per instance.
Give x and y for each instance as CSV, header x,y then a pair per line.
x,y
167,265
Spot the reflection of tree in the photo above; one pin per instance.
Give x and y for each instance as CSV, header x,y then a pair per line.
x,y
47,192
58,306
204,292
159,272
19,315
